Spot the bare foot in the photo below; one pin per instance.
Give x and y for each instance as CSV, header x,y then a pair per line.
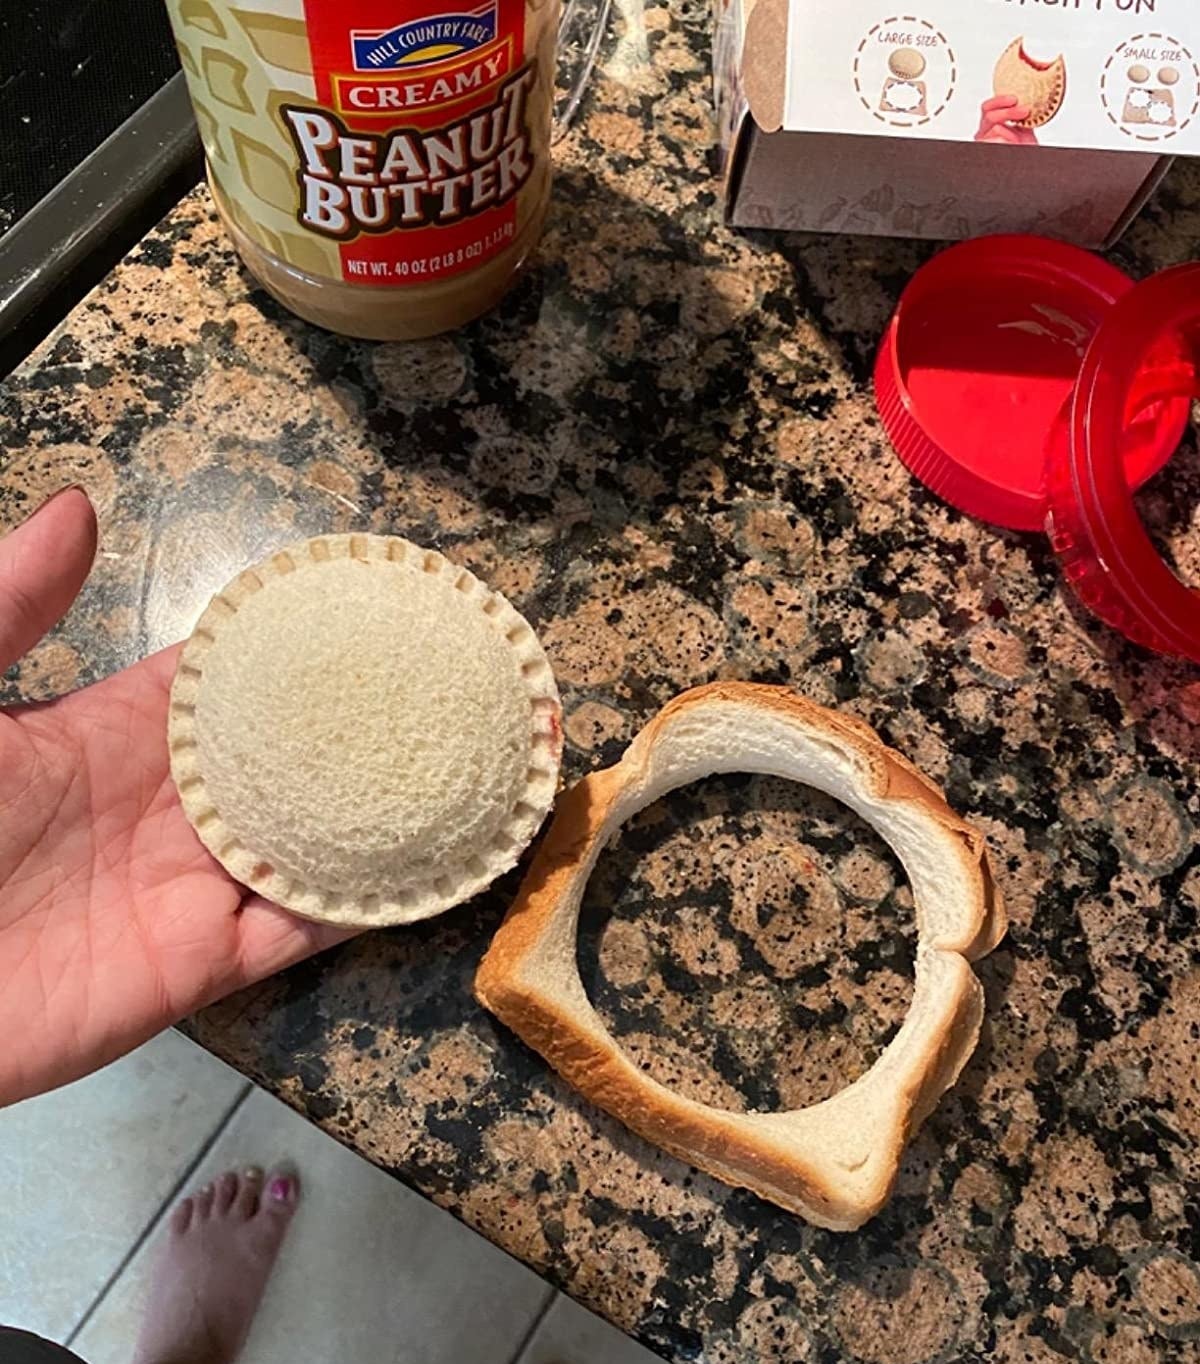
x,y
211,1272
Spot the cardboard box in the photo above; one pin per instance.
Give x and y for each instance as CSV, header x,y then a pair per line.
x,y
855,117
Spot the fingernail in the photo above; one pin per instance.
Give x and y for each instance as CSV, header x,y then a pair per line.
x,y
281,1190
45,502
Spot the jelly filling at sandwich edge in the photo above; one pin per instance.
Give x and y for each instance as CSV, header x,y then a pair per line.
x,y
352,182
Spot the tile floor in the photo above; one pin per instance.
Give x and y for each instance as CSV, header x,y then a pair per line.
x,y
87,1174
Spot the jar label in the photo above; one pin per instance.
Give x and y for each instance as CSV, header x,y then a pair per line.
x,y
374,142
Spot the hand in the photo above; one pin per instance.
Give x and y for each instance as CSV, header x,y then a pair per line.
x,y
996,117
114,919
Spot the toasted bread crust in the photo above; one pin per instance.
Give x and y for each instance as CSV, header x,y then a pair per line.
x,y
762,1152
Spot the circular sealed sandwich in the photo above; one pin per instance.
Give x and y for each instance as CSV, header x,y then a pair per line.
x,y
1040,86
363,732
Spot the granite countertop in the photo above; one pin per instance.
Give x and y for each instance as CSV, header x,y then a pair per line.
x,y
663,449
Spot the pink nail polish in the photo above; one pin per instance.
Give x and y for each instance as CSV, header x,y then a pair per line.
x,y
281,1190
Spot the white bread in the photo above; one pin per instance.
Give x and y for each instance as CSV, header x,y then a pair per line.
x,y
836,1162
363,732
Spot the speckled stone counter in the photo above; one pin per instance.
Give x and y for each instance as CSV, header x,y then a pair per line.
x,y
663,449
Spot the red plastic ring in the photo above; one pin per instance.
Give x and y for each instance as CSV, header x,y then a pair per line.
x,y
1093,524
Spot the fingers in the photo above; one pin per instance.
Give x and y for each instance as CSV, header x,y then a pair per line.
x,y
996,113
271,939
161,666
43,564
1000,134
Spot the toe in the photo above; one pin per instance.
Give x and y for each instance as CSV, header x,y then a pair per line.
x,y
226,1192
181,1217
202,1203
248,1191
281,1196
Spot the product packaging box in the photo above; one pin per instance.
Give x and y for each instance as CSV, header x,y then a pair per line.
x,y
953,118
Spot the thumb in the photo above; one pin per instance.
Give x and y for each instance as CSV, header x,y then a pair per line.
x,y
43,564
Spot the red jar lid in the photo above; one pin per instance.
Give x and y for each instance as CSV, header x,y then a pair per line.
x,y
978,367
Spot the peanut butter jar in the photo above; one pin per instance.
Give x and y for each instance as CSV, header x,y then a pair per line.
x,y
382,168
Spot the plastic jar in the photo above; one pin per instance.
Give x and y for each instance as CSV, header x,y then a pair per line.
x,y
382,168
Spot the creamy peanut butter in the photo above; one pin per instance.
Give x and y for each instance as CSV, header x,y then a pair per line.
x,y
382,166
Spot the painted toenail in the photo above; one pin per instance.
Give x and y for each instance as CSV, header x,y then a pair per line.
x,y
281,1190
252,1172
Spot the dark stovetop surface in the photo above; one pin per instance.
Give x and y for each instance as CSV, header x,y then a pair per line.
x,y
71,71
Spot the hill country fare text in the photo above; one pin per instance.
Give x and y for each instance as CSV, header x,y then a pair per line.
x,y
352,182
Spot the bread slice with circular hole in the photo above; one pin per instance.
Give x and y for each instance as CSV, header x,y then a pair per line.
x,y
835,1162
364,732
